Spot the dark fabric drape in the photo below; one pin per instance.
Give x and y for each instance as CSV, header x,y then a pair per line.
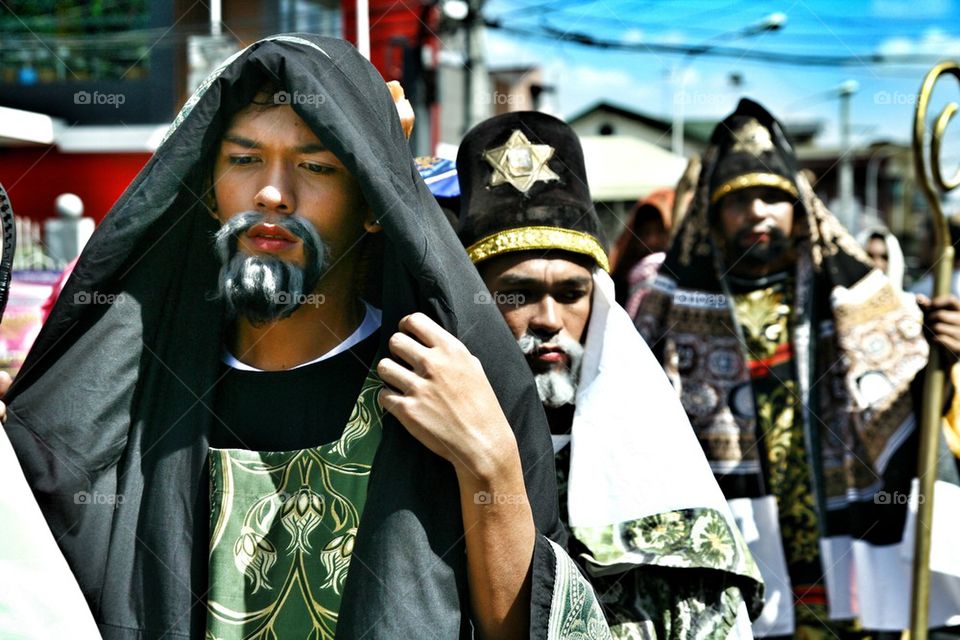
x,y
115,397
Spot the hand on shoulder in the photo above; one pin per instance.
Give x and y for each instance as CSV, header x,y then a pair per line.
x,y
440,393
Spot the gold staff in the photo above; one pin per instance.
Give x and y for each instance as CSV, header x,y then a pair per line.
x,y
936,374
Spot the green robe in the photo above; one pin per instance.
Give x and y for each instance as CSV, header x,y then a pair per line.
x,y
283,526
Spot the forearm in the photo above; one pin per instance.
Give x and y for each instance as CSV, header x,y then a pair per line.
x,y
500,536
445,401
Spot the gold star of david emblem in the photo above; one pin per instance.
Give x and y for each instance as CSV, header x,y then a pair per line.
x,y
520,163
753,138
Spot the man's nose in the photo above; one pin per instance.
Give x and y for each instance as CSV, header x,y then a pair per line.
x,y
276,195
547,320
759,209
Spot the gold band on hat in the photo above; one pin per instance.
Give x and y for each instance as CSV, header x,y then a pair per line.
x,y
748,180
532,238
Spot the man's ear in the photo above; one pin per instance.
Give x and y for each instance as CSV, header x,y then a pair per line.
x,y
370,222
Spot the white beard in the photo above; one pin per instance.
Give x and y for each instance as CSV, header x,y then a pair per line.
x,y
556,387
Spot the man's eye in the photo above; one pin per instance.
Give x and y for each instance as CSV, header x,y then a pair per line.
x,y
571,296
313,167
241,160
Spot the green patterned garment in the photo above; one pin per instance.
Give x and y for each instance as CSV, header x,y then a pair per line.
x,y
283,525
664,595
575,613
678,574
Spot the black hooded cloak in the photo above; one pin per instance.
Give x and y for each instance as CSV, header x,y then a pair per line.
x,y
858,354
114,398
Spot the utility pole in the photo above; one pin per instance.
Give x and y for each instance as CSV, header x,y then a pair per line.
x,y
216,18
468,65
470,38
363,28
846,91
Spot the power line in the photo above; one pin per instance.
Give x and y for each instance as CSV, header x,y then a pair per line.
x,y
705,50
541,7
803,35
848,31
686,18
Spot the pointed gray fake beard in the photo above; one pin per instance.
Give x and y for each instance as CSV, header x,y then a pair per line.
x,y
556,387
264,289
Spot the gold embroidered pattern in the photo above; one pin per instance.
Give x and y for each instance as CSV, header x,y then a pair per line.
x,y
748,180
531,238
752,137
764,316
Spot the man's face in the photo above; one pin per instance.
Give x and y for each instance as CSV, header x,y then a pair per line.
x,y
270,161
546,303
287,206
877,250
651,234
756,225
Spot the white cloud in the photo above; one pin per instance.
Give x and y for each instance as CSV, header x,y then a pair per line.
x,y
934,42
611,79
688,76
673,37
504,51
896,46
632,36
580,85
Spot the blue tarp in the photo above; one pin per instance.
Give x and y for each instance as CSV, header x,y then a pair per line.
x,y
440,176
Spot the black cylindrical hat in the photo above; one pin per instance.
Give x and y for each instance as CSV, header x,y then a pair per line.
x,y
754,151
523,186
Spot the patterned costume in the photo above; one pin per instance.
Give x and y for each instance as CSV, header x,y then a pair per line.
x,y
649,525
801,388
362,531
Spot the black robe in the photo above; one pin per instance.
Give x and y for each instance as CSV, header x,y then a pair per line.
x,y
114,398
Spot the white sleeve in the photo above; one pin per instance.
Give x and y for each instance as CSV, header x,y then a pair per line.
x,y
39,596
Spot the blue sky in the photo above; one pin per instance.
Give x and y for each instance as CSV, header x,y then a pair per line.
x,y
881,109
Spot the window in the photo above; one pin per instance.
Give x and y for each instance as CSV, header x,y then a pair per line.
x,y
55,41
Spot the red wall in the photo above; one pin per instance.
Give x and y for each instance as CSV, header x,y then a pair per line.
x,y
34,177
388,19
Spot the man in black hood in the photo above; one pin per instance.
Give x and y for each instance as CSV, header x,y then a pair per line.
x,y
799,365
225,401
